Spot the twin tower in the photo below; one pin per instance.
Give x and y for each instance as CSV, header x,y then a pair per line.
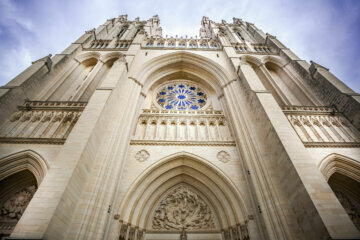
x,y
131,135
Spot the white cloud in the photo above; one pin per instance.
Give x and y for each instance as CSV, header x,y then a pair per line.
x,y
314,30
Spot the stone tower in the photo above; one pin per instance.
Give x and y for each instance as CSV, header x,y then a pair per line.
x,y
131,135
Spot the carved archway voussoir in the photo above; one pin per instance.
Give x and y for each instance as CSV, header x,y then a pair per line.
x,y
175,177
152,65
182,166
24,160
336,163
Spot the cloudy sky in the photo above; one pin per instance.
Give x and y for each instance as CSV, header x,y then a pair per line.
x,y
327,32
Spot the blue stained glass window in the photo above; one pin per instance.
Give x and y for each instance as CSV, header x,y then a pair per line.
x,y
181,96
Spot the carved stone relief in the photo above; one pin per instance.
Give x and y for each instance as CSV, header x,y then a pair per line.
x,y
15,206
142,155
224,156
350,207
182,208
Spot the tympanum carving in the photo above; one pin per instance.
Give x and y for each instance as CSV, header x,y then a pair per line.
x,y
182,208
15,206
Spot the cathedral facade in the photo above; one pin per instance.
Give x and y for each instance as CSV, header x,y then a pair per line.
x,y
131,135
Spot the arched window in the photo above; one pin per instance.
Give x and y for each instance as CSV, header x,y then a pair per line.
x,y
149,44
182,44
160,44
122,31
203,44
239,34
192,44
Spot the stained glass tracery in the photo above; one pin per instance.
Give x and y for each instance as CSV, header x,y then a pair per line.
x,y
181,96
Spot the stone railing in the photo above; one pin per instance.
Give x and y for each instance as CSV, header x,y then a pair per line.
x,y
240,47
108,45
122,44
182,43
255,48
96,44
322,127
41,122
182,127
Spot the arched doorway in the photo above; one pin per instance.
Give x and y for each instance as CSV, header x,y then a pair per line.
x,y
20,175
347,190
183,194
16,192
343,176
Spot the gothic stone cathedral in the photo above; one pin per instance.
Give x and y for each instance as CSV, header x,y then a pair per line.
x,y
131,135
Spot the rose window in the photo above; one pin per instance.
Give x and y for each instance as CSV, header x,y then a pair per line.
x,y
181,96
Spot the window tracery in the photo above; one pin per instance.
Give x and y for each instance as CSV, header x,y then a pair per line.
x,y
181,95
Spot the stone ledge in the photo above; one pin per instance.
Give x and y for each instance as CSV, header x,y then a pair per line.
x,y
185,143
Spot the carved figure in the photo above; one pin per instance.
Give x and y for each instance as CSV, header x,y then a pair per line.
x,y
182,208
15,206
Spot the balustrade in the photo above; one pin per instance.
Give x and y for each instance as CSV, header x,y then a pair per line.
x,y
41,122
322,127
182,127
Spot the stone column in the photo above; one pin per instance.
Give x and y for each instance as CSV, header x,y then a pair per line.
x,y
98,198
50,212
283,151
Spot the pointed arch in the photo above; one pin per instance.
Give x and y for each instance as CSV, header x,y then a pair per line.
x,y
24,160
193,63
109,56
252,60
274,60
88,55
336,163
183,168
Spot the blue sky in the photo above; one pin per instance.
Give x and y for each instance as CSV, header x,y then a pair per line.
x,y
327,32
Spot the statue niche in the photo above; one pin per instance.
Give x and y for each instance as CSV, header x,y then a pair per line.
x,y
183,209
